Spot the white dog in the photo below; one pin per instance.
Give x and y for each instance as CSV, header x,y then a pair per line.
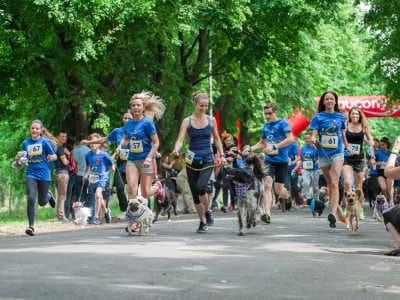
x,y
81,213
140,213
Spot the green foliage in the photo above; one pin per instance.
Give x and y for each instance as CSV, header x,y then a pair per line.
x,y
382,19
75,64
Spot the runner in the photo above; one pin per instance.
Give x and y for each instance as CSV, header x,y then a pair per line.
x,y
199,157
275,137
357,130
39,151
329,124
141,135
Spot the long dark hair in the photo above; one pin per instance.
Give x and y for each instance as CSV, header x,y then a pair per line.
x,y
321,104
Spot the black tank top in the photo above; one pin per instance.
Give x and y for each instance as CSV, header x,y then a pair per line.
x,y
356,140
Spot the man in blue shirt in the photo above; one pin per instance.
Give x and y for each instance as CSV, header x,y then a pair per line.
x,y
276,136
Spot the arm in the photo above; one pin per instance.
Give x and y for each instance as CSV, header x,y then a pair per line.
x,y
286,142
101,140
217,140
392,172
314,134
345,142
153,150
370,142
181,136
260,145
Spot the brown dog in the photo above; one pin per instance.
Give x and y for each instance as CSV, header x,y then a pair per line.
x,y
354,201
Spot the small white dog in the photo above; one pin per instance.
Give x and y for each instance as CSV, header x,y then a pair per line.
x,y
81,213
140,213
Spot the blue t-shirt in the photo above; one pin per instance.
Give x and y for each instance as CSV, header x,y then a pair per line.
x,y
292,153
273,133
382,156
139,135
37,151
79,153
115,137
309,158
329,127
99,165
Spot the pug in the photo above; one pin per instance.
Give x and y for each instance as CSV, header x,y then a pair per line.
x,y
380,204
138,212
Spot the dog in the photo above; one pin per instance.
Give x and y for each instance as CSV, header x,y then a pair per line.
x,y
81,213
169,204
138,212
249,191
380,205
354,201
20,161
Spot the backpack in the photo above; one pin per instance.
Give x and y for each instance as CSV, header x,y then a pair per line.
x,y
73,166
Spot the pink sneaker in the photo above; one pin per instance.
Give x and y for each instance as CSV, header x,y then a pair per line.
x,y
160,194
135,227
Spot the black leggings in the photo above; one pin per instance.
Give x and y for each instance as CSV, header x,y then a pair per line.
x,y
198,182
33,185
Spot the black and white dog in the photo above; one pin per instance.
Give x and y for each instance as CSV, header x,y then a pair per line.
x,y
249,191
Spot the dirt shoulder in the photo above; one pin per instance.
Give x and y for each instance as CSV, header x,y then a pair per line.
x,y
18,228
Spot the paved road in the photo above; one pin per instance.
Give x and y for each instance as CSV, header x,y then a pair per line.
x,y
294,257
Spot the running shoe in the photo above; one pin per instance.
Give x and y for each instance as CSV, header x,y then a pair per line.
x,y
203,228
362,216
52,201
332,220
135,227
210,218
30,231
266,218
107,215
95,221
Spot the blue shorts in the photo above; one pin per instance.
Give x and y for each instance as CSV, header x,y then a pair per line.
x,y
327,161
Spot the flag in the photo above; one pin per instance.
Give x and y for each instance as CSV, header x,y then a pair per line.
x,y
238,132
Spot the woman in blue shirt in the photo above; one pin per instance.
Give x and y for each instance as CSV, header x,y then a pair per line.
x,y
328,132
39,151
141,135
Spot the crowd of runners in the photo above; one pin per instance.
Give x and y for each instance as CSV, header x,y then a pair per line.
x,y
339,154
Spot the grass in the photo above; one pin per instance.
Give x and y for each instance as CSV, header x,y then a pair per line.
x,y
18,215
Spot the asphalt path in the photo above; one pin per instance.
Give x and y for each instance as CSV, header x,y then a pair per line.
x,y
295,257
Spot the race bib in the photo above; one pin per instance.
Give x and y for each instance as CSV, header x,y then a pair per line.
x,y
35,150
136,146
189,157
273,152
355,149
123,154
329,141
308,165
93,178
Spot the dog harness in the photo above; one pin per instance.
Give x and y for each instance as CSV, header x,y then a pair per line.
x,y
137,215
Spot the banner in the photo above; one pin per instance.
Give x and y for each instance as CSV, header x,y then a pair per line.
x,y
371,106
